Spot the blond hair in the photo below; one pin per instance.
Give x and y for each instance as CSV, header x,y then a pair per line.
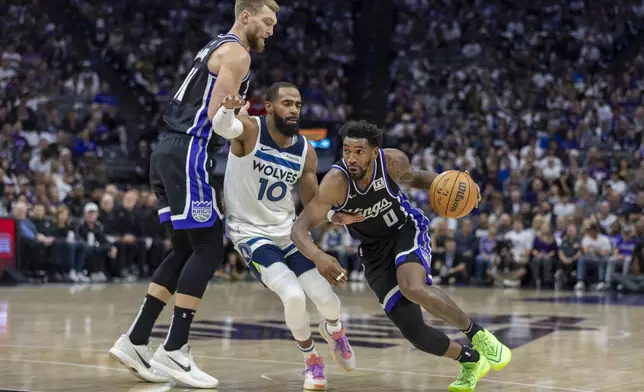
x,y
254,6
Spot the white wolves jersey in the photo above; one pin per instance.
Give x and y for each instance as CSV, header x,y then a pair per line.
x,y
258,187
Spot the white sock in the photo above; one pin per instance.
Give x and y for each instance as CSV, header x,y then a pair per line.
x,y
308,352
333,328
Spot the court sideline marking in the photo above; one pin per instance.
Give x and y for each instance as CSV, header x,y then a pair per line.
x,y
365,369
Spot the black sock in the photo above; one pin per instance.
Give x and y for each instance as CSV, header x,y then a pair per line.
x,y
473,329
468,354
148,314
179,329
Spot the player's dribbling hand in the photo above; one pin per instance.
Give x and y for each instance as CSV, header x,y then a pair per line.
x,y
346,218
478,189
233,101
331,270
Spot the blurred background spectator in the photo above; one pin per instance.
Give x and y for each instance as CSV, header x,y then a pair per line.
x,y
541,102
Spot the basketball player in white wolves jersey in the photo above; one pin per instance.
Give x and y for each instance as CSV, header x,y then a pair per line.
x,y
264,163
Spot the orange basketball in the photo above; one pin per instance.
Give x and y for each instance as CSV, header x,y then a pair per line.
x,y
453,194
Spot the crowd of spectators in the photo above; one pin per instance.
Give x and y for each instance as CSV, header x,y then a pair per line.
x,y
154,43
522,97
57,120
550,133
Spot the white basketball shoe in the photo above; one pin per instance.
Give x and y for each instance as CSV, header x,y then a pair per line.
x,y
136,358
339,345
314,379
180,366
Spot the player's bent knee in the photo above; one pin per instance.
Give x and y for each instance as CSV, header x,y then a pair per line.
x,y
321,293
283,282
409,320
294,299
411,279
207,260
168,272
413,291
288,288
198,271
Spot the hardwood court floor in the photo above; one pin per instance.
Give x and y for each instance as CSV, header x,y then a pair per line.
x,y
55,338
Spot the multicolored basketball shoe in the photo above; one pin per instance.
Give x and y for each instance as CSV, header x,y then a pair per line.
x,y
339,346
314,379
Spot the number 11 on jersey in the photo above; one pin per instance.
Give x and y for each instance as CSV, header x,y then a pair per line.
x,y
178,96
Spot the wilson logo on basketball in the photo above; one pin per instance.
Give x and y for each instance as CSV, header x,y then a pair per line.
x,y
460,195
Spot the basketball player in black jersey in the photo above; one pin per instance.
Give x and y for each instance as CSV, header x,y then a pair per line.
x,y
199,119
395,249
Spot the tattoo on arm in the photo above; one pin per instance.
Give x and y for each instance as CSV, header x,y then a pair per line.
x,y
400,170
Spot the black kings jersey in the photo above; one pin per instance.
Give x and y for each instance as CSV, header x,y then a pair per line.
x,y
188,110
384,206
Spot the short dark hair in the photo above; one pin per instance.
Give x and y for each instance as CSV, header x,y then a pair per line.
x,y
274,89
362,130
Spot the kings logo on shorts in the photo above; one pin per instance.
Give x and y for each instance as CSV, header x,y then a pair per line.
x,y
201,211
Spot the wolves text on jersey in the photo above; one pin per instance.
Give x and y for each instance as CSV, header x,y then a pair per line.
x,y
373,211
276,172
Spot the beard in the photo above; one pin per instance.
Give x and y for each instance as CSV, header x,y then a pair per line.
x,y
255,42
356,173
287,128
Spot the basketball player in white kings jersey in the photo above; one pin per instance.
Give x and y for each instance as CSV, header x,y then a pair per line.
x,y
264,163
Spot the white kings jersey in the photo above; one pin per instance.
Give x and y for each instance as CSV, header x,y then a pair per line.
x,y
258,187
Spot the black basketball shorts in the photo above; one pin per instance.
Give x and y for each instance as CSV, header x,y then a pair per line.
x,y
180,168
381,259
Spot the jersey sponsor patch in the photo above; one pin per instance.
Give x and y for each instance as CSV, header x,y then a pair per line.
x,y
379,184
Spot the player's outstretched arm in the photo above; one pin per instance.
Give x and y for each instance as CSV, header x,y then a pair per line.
x,y
231,63
400,170
331,192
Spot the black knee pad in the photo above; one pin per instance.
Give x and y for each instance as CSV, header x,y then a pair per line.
x,y
207,254
168,272
408,317
198,271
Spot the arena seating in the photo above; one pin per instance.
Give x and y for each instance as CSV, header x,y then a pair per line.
x,y
541,103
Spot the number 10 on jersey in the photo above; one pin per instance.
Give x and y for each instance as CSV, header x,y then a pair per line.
x,y
274,192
